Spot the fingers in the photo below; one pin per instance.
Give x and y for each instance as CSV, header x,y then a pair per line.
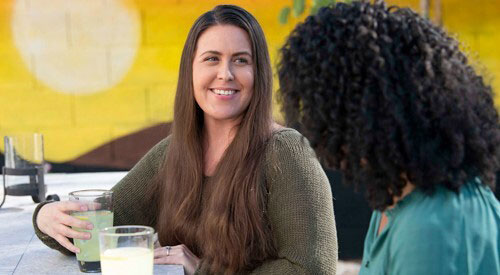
x,y
70,233
168,260
66,206
179,254
54,220
185,251
164,252
66,243
161,252
180,250
175,255
75,222
94,206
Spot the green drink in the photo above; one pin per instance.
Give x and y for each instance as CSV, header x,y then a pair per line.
x,y
90,248
100,214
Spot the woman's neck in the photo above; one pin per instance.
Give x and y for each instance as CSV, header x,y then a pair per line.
x,y
407,189
219,132
217,135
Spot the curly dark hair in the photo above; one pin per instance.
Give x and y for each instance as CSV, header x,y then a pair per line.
x,y
384,93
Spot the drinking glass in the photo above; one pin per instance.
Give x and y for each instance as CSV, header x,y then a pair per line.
x,y
23,170
24,150
127,250
100,214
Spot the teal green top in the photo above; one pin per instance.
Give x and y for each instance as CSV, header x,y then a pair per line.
x,y
442,233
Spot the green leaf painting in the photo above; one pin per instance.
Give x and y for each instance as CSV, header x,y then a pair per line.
x,y
317,4
298,7
284,13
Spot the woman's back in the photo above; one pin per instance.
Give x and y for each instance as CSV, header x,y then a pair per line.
x,y
442,233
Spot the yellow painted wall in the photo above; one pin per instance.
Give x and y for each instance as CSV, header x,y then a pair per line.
x,y
92,103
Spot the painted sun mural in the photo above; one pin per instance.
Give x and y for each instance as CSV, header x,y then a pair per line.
x,y
87,74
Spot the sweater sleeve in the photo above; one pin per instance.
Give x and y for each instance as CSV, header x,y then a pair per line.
x,y
129,206
300,209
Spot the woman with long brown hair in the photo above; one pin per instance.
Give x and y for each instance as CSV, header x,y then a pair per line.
x,y
229,191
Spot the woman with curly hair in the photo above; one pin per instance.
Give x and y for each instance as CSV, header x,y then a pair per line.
x,y
390,100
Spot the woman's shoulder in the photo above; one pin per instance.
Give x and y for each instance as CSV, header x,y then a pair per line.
x,y
162,145
164,142
440,228
284,132
285,140
157,153
288,150
446,210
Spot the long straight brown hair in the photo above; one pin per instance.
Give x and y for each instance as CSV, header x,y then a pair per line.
x,y
222,218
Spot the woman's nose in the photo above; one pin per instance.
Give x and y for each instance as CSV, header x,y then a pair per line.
x,y
225,72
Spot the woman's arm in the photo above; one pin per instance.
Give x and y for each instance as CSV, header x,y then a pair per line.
x,y
129,204
300,209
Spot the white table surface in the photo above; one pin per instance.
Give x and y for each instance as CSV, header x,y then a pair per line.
x,y
22,253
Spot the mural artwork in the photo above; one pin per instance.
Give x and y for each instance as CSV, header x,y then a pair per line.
x,y
98,78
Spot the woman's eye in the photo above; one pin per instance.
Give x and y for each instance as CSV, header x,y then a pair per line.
x,y
211,58
241,60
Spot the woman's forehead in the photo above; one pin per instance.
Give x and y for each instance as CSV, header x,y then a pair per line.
x,y
226,39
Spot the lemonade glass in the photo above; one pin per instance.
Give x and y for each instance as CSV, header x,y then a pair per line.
x,y
100,214
127,250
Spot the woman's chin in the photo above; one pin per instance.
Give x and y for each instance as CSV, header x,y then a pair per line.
x,y
223,116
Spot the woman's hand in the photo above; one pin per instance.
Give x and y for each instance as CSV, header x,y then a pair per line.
x,y
178,254
54,220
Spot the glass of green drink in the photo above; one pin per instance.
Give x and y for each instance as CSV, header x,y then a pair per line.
x,y
100,214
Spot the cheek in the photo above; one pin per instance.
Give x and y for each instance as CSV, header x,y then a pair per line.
x,y
197,77
247,79
197,85
250,78
197,97
203,76
248,82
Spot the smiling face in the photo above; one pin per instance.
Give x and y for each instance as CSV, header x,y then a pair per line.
x,y
223,74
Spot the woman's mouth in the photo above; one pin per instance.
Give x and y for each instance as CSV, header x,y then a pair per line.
x,y
223,92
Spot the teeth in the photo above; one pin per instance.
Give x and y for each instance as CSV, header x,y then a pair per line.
x,y
224,92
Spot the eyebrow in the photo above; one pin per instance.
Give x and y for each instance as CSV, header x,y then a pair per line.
x,y
235,54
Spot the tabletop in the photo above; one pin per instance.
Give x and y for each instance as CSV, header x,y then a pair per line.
x,y
22,253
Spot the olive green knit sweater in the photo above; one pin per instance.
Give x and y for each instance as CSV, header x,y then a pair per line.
x,y
299,208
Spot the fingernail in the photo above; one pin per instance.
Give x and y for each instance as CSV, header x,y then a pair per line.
x,y
83,208
77,251
89,236
90,226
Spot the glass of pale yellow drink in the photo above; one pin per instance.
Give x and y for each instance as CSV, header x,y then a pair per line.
x,y
100,214
127,250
